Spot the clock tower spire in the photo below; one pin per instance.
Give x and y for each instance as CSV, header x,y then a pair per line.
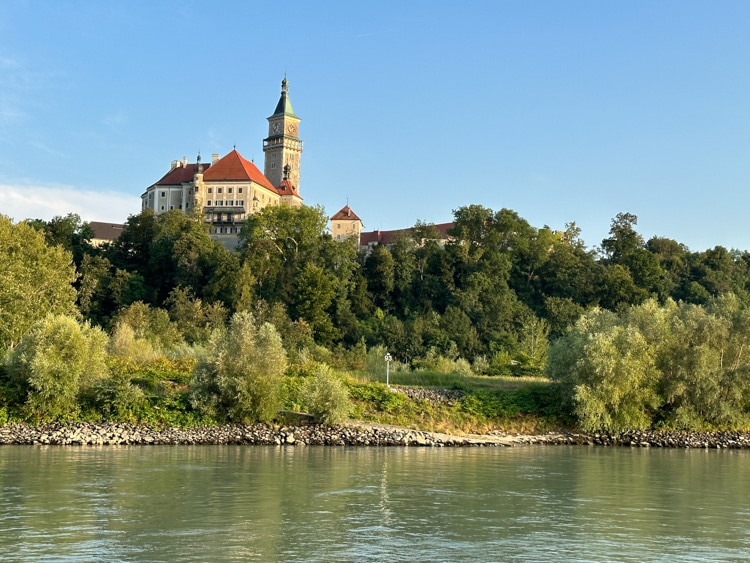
x,y
283,146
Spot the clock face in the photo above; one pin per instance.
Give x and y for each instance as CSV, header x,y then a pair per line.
x,y
291,128
276,127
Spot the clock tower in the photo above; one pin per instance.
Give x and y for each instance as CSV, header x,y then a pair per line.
x,y
283,146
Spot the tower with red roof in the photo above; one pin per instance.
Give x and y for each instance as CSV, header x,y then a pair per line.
x,y
228,189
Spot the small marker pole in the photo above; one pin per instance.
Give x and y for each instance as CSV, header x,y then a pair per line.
x,y
388,360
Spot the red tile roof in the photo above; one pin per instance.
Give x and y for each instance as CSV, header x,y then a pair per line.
x,y
346,214
233,167
179,174
287,188
387,237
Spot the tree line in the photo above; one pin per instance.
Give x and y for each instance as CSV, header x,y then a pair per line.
x,y
490,299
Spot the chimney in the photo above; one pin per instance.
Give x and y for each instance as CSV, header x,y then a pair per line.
x,y
214,158
174,165
184,162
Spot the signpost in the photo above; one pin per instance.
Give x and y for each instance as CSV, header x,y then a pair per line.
x,y
388,360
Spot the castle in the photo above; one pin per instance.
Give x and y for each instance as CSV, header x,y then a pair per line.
x,y
228,189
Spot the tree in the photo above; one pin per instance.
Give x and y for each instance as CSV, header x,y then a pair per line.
x,y
103,289
379,269
69,232
240,379
314,294
626,248
54,363
194,319
35,280
151,324
607,371
706,371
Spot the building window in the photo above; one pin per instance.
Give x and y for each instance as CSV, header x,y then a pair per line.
x,y
229,190
239,190
273,165
240,202
208,202
171,207
162,208
220,202
219,190
163,194
210,190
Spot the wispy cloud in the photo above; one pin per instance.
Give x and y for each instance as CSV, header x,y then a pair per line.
x,y
48,150
115,122
28,201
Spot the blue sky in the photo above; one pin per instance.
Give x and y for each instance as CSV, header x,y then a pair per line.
x,y
560,110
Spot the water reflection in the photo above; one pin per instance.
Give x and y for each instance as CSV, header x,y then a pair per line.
x,y
233,503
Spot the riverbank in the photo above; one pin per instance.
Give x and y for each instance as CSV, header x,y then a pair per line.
x,y
353,434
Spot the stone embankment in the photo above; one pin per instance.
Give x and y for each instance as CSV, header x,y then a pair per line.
x,y
356,434
258,434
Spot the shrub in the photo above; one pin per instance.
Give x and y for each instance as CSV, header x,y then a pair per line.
x,y
116,398
53,363
124,343
241,377
326,397
150,324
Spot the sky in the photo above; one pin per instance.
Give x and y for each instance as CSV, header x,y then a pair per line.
x,y
563,111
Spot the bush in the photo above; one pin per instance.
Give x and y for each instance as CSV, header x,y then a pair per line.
x,y
326,397
241,377
124,343
150,324
116,399
54,363
377,394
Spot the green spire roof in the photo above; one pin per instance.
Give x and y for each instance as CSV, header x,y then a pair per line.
x,y
284,107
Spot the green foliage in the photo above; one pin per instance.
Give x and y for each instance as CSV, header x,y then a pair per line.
x,y
676,365
155,390
435,362
195,320
240,379
35,280
489,404
116,399
67,232
326,397
380,396
148,324
57,360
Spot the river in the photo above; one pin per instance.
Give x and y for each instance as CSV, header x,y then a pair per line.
x,y
257,503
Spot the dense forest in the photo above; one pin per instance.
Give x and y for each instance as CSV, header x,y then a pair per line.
x,y
633,334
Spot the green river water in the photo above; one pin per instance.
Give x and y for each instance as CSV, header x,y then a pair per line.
x,y
253,503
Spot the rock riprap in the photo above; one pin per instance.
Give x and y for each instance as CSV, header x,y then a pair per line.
x,y
355,434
